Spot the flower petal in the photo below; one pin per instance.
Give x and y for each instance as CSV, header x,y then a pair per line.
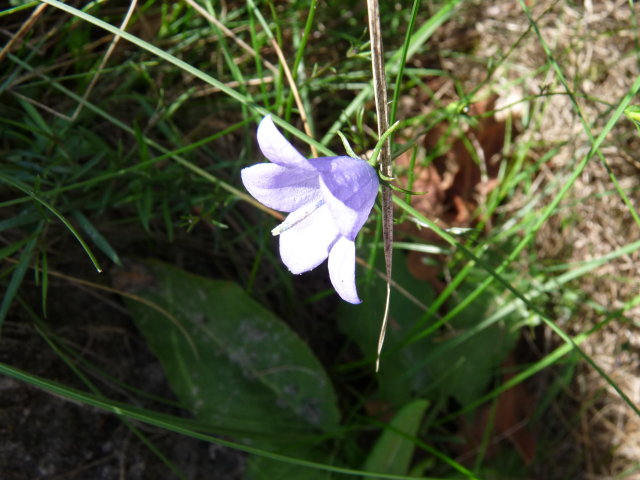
x,y
306,245
277,148
281,188
342,269
349,186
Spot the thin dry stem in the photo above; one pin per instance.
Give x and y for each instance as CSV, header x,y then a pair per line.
x,y
241,43
296,94
208,90
270,66
382,110
23,30
105,58
41,105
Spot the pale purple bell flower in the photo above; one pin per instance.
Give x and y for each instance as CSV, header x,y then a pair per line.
x,y
328,200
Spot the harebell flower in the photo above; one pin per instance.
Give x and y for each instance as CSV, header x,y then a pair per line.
x,y
328,200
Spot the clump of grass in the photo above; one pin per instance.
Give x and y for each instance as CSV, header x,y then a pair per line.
x,y
124,130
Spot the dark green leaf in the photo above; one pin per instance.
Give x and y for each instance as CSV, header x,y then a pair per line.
x,y
393,450
233,363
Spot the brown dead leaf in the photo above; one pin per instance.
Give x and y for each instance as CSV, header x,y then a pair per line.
x,y
455,183
131,278
513,410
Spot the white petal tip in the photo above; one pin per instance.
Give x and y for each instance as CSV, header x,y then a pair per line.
x,y
354,301
342,270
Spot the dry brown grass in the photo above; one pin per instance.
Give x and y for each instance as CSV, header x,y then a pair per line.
x,y
594,44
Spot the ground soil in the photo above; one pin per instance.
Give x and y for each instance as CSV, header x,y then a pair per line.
x,y
48,437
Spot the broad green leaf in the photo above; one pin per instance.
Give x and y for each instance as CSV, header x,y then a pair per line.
x,y
394,448
466,357
457,361
230,361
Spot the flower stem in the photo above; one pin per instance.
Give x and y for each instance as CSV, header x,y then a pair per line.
x,y
382,111
373,161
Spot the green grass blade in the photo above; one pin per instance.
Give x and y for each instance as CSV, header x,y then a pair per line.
x,y
242,99
17,8
393,450
418,39
12,248
613,119
46,336
55,211
16,278
402,62
495,274
175,424
101,242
